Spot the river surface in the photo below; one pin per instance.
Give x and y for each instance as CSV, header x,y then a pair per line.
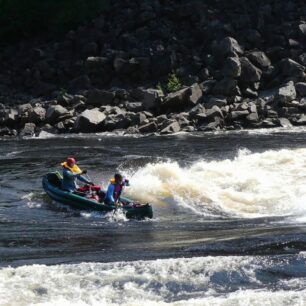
x,y
229,224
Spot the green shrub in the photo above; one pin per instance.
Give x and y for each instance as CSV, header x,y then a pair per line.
x,y
28,18
174,83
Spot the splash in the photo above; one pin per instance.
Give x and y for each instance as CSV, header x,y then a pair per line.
x,y
271,183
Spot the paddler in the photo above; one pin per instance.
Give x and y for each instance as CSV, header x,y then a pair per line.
x,y
115,189
72,173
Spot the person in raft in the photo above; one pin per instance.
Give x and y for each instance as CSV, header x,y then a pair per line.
x,y
115,189
72,173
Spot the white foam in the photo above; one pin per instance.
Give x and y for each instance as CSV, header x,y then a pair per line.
x,y
182,281
271,183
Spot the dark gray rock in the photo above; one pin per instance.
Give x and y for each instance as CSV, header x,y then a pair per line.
x,y
231,68
249,72
28,130
172,128
301,120
37,114
89,121
226,87
212,126
252,117
301,89
286,93
207,86
284,122
195,93
23,111
150,127
259,59
138,118
134,106
234,115
99,97
215,101
11,117
302,30
56,113
228,47
291,68
151,98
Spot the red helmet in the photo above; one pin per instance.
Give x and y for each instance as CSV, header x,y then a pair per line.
x,y
71,161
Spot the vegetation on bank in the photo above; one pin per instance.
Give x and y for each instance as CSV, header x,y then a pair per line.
x,y
23,19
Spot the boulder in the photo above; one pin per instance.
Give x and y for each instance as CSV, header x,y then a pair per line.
x,y
234,115
28,130
231,68
172,128
89,121
24,110
11,117
226,87
207,86
212,126
151,98
228,47
249,72
219,101
291,68
286,93
150,127
99,97
37,114
302,30
134,106
284,122
56,113
186,97
252,117
301,89
259,59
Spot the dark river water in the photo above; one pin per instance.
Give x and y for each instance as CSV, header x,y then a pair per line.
x,y
229,224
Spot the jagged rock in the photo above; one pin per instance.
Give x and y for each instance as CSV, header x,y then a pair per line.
x,y
286,93
134,106
226,87
284,122
207,86
215,111
228,47
134,68
252,118
234,115
215,101
172,128
24,111
302,29
89,121
56,113
151,98
138,118
150,127
211,126
231,68
301,89
249,72
99,97
301,120
6,132
28,130
11,117
183,98
259,59
291,68
37,114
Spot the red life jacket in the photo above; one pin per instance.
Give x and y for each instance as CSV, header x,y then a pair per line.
x,y
117,191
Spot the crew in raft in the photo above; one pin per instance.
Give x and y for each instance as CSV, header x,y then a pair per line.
x,y
72,173
115,189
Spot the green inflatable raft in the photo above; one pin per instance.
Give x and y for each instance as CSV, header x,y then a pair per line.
x,y
52,185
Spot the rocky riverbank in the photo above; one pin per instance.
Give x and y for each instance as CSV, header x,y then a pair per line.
x,y
237,65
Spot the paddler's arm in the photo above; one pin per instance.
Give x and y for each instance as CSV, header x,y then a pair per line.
x,y
83,179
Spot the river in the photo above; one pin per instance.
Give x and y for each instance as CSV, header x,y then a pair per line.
x,y
229,224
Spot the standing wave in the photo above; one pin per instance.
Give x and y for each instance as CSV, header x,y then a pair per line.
x,y
271,183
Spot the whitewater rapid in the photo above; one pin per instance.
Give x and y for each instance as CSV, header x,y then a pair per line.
x,y
181,281
271,183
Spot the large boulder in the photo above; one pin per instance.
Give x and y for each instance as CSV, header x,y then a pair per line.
x,y
227,47
301,89
151,98
171,128
286,93
186,97
231,68
99,97
226,87
11,117
291,68
89,121
24,111
150,127
28,130
259,59
37,114
249,72
56,113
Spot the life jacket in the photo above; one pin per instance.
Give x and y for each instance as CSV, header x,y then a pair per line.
x,y
117,189
75,169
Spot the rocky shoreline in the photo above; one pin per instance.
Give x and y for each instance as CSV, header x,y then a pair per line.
x,y
234,70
